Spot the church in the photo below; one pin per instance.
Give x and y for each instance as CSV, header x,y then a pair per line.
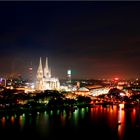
x,y
44,80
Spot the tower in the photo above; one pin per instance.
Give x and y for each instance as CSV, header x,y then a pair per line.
x,y
69,76
39,76
47,73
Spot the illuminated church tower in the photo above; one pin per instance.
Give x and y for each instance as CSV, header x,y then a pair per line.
x,y
47,72
44,81
39,76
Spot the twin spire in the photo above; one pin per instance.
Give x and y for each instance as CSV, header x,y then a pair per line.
x,y
44,81
47,72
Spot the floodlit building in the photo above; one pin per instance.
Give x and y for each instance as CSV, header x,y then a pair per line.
x,y
44,80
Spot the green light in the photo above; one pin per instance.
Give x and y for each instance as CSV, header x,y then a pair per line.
x,y
87,109
82,112
75,116
58,111
23,115
45,112
51,112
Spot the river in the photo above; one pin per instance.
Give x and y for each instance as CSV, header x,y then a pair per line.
x,y
84,123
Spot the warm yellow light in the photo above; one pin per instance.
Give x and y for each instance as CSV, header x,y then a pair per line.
x,y
121,106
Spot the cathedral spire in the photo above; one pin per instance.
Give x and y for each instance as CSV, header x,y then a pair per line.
x,y
40,64
46,69
39,76
40,70
46,64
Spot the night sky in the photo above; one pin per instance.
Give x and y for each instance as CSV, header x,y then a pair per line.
x,y
94,39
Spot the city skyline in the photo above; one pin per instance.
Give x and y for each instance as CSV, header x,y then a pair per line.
x,y
93,39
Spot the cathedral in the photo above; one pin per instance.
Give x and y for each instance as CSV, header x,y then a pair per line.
x,y
44,80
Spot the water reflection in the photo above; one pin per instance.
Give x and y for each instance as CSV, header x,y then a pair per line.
x,y
75,117
112,117
22,121
63,118
133,117
82,121
121,121
42,123
3,120
12,120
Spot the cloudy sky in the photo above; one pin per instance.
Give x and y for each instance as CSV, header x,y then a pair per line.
x,y
93,39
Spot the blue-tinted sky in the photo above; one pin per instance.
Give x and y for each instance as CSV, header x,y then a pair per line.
x,y
94,39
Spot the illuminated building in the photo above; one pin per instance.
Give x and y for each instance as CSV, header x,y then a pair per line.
x,y
83,91
44,81
69,76
99,90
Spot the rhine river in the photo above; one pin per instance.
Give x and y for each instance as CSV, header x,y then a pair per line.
x,y
84,123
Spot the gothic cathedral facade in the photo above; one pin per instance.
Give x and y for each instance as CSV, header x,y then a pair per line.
x,y
44,80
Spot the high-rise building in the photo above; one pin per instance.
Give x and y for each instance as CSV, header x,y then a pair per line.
x,y
44,80
69,76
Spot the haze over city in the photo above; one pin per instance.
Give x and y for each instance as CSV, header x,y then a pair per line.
x,y
93,39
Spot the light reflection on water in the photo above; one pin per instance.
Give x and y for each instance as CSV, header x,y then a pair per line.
x,y
121,120
21,121
3,120
82,121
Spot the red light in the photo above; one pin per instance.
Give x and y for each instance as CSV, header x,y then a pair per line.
x,y
116,78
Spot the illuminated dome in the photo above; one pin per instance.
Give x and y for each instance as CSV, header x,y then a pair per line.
x,y
83,89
